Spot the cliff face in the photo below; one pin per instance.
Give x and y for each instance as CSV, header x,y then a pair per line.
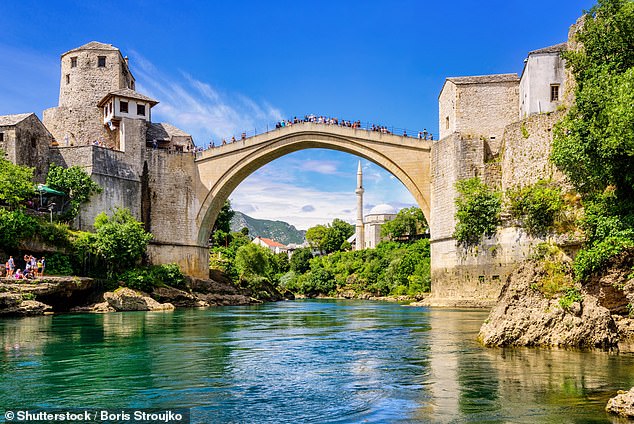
x,y
524,316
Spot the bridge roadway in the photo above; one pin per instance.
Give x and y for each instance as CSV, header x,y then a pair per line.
x,y
222,168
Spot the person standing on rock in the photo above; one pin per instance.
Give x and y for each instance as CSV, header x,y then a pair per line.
x,y
11,264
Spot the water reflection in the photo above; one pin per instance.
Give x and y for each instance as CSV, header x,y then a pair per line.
x,y
307,361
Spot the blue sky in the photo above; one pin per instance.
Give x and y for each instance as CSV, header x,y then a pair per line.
x,y
220,68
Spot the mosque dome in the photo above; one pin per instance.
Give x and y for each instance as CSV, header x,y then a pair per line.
x,y
383,209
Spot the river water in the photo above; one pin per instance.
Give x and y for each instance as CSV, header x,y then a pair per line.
x,y
302,361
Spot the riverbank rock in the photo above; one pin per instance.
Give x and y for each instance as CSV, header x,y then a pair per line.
x,y
614,287
523,316
622,404
14,304
125,299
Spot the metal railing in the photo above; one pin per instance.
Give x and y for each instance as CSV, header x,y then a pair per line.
x,y
321,120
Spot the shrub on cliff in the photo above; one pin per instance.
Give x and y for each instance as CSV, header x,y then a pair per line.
x,y
478,210
537,206
594,143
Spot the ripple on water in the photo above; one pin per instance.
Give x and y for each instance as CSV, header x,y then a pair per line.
x,y
305,361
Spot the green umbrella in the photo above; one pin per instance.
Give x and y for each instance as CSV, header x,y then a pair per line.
x,y
47,190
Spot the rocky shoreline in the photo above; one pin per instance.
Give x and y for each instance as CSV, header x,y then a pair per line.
x,y
86,295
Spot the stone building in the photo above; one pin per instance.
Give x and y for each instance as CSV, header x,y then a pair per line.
x,y
104,126
26,141
543,80
374,220
482,135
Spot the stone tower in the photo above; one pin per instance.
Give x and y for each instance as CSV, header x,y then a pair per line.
x,y
88,74
360,231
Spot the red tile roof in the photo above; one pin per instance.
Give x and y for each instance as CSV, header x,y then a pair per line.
x,y
271,243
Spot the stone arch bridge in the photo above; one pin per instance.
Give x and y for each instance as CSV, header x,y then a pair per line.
x,y
221,169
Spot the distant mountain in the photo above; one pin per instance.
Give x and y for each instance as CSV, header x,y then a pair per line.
x,y
279,231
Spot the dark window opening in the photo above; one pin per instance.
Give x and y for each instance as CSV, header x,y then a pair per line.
x,y
554,92
481,278
140,110
447,123
123,107
67,78
33,142
1,136
73,62
101,61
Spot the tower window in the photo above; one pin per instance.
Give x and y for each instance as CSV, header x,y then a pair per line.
x,y
1,136
123,107
140,110
73,62
101,61
554,92
447,123
67,78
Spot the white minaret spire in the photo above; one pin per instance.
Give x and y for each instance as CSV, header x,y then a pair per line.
x,y
360,232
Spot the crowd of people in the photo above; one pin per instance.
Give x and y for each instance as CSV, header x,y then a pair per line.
x,y
422,135
33,268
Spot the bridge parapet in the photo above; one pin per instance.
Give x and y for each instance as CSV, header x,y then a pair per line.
x,y
359,134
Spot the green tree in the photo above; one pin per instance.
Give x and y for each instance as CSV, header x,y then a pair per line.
x,y
300,260
329,238
336,235
221,230
120,240
76,183
594,143
477,211
253,260
16,183
408,223
316,236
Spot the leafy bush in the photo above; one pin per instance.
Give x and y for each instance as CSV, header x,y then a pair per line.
x,y
15,226
59,264
593,258
77,185
16,182
120,240
300,260
477,212
537,206
146,278
570,296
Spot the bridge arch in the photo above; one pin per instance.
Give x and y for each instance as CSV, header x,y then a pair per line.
x,y
223,168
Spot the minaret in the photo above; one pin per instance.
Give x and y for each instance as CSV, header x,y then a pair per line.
x,y
360,231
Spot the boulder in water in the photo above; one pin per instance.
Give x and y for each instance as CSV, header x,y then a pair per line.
x,y
524,316
125,299
622,404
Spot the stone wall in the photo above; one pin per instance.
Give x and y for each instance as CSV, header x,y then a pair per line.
x,y
447,110
474,276
486,109
120,181
526,151
27,143
77,126
173,189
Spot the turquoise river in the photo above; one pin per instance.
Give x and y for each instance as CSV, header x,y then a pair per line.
x,y
318,361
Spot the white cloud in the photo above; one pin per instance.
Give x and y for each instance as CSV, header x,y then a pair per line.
x,y
199,108
320,166
271,199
